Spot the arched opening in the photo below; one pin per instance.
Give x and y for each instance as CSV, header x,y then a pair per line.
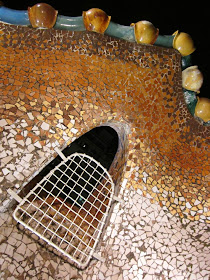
x,y
71,197
100,143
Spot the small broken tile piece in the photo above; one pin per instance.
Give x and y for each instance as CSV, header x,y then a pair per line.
x,y
45,126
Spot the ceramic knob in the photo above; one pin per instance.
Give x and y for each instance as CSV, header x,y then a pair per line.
x,y
202,109
42,15
192,79
96,20
145,32
183,43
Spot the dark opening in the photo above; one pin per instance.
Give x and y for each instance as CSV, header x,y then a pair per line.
x,y
101,143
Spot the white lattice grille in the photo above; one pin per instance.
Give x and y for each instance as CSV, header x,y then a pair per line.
x,y
69,206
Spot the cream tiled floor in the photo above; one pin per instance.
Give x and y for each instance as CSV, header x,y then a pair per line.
x,y
141,241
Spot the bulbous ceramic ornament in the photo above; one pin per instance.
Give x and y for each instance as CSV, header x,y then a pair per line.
x,y
192,79
96,20
202,109
183,43
145,32
42,15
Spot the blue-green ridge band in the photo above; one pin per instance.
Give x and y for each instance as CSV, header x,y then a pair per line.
x,y
17,17
70,23
120,31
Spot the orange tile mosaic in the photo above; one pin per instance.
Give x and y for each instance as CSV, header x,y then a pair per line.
x,y
56,85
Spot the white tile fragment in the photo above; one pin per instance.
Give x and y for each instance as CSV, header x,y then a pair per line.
x,y
38,145
188,205
9,250
24,123
18,175
28,141
31,148
74,130
10,177
155,189
5,171
27,157
144,179
3,122
20,142
196,202
30,115
3,154
45,126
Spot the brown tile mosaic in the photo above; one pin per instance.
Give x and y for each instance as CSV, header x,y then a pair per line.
x,y
81,73
56,85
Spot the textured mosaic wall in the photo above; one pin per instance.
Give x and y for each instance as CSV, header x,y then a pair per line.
x,y
56,85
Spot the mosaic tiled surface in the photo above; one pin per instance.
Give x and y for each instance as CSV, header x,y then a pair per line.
x,y
55,86
142,241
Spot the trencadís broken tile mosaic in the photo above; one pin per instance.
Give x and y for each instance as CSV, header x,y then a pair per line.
x,y
122,103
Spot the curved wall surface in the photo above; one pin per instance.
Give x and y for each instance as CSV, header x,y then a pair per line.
x,y
56,85
59,84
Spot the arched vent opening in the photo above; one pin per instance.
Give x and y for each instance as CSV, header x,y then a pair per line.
x,y
71,199
101,143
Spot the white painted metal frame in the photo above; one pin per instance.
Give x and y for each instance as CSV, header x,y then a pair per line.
x,y
74,227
